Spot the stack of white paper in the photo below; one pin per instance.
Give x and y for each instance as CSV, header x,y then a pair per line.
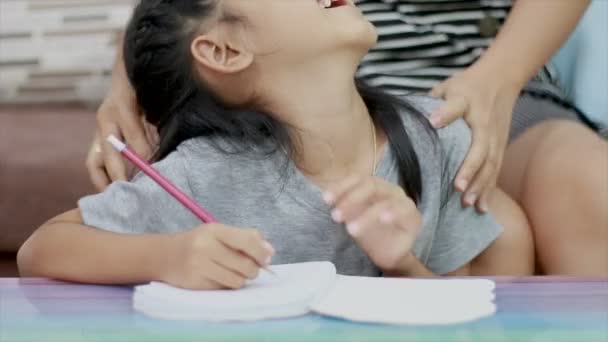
x,y
286,294
298,289
408,301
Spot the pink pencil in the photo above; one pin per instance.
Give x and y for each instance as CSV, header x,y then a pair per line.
x,y
146,168
149,170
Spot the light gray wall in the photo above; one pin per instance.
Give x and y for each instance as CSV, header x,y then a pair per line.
x,y
58,50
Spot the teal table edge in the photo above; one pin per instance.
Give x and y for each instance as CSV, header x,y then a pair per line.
x,y
528,309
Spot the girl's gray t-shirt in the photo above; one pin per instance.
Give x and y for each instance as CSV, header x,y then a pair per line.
x,y
274,197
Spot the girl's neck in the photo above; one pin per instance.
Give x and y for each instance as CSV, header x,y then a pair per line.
x,y
331,124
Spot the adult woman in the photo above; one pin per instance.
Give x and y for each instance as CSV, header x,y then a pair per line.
x,y
552,168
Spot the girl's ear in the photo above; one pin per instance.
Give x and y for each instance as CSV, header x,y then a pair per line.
x,y
221,55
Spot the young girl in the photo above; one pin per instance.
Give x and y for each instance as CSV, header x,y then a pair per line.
x,y
262,122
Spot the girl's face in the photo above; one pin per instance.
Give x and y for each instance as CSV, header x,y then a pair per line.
x,y
292,32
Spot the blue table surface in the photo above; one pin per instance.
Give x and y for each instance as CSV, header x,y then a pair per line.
x,y
529,309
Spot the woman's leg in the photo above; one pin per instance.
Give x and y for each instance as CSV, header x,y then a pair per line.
x,y
558,172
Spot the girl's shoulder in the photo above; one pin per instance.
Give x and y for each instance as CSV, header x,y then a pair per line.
x,y
201,148
217,157
193,157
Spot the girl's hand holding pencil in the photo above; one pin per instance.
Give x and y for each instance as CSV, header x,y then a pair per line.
x,y
215,256
211,256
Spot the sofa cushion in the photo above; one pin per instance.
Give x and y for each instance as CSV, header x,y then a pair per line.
x,y
42,172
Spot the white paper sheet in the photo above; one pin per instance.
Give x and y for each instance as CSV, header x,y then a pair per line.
x,y
287,294
408,301
299,288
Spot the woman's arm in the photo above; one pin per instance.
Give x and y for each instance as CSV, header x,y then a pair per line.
x,y
486,92
119,114
533,32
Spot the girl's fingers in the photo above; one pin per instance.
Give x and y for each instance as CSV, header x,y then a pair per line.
x,y
247,241
334,193
95,165
379,232
386,213
403,217
354,202
362,196
223,276
236,262
369,221
203,283
453,108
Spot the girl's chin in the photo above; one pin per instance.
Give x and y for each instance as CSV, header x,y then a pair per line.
x,y
363,36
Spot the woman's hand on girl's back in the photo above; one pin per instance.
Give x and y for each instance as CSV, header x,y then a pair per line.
x,y
215,256
119,115
486,102
380,217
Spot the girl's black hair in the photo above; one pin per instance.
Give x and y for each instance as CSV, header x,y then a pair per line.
x,y
160,68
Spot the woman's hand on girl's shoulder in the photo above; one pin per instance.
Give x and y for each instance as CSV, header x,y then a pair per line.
x,y
381,218
215,256
118,115
486,103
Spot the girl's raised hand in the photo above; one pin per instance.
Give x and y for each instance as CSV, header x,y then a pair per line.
x,y
381,218
215,256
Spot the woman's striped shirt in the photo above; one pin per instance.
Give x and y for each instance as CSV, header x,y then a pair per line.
x,y
421,42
